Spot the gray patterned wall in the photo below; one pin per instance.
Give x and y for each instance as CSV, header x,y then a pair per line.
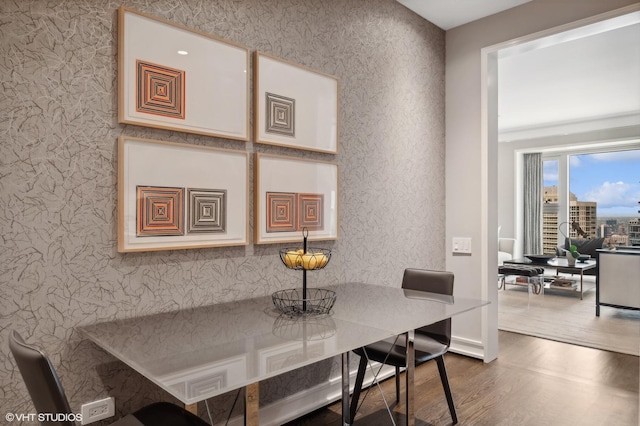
x,y
58,130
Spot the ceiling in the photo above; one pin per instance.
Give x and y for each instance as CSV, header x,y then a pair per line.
x,y
580,80
449,14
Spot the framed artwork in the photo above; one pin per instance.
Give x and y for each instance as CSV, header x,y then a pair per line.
x,y
292,194
176,196
174,78
294,106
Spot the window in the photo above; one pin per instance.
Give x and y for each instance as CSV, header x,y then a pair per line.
x,y
604,191
550,206
599,191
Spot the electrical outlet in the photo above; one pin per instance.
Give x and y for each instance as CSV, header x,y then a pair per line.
x,y
98,410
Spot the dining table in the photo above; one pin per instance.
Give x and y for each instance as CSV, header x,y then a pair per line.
x,y
201,352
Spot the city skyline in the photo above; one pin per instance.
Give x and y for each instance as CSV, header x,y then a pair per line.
x,y
610,179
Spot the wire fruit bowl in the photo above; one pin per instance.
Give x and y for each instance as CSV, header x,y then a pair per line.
x,y
292,302
299,259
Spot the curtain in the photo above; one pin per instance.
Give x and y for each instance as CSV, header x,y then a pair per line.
x,y
532,189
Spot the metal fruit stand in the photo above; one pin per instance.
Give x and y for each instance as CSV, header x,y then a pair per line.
x,y
306,301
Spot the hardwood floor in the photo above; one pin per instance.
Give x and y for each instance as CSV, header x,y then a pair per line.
x,y
533,382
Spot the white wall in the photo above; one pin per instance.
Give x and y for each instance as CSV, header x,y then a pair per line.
x,y
468,175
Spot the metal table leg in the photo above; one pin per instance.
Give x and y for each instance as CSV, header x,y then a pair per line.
x,y
346,415
581,279
410,378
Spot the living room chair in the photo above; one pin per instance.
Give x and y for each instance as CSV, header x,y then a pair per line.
x,y
48,395
431,342
506,249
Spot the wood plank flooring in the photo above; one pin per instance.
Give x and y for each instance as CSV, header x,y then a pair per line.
x,y
534,382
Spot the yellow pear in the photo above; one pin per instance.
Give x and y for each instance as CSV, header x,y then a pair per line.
x,y
309,261
322,259
293,259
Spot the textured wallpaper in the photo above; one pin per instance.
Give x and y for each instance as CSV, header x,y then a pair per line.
x,y
59,266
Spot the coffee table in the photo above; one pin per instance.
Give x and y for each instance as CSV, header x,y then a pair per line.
x,y
561,266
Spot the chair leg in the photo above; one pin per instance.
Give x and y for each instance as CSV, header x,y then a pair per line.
x,y
447,389
397,385
357,388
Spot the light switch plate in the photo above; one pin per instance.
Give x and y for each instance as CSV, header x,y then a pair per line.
x,y
461,245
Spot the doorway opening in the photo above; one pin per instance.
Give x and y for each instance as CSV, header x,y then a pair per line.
x,y
562,139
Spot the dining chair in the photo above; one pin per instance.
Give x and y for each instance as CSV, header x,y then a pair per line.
x,y
431,342
48,395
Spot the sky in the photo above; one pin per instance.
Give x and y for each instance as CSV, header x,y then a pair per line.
x,y
611,179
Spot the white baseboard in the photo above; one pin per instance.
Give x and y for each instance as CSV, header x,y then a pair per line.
x,y
468,347
308,400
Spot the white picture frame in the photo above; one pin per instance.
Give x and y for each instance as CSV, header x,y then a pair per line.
x,y
294,106
309,192
174,78
206,178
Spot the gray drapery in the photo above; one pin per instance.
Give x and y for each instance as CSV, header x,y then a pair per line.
x,y
532,189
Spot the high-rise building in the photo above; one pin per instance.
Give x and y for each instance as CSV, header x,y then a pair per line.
x,y
581,212
634,232
584,213
549,219
549,231
619,240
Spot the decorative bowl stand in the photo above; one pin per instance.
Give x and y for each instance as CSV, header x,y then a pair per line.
x,y
311,301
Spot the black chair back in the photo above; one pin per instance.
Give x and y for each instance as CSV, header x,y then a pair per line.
x,y
41,379
440,282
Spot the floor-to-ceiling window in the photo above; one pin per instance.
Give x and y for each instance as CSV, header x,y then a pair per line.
x,y
602,197
604,190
